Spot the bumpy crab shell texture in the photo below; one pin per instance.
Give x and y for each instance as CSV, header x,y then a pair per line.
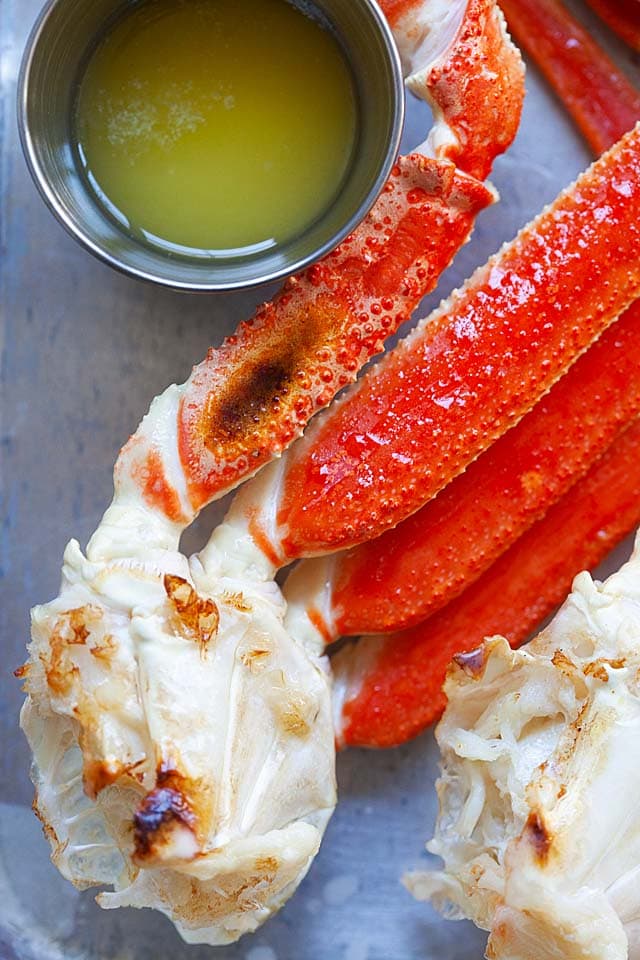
x,y
183,745
539,824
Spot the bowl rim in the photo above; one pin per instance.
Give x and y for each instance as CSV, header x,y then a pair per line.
x,y
76,230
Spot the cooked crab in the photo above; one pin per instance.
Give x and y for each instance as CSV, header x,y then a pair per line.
x,y
179,710
182,736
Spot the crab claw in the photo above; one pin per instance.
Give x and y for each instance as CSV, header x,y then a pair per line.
x,y
457,58
206,800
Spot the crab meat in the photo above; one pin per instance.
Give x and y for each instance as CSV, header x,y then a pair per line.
x,y
538,826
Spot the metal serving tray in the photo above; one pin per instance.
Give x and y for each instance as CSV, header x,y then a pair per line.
x,y
84,351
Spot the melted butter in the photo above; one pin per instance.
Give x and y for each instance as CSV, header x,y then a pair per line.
x,y
216,124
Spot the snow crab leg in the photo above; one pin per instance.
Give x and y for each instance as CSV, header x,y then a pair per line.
x,y
253,395
410,572
465,375
602,101
183,739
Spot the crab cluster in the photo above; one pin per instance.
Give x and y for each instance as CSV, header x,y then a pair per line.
x,y
181,711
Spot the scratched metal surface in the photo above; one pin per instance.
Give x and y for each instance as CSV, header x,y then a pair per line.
x,y
83,352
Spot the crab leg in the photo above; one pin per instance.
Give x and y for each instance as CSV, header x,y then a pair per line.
x,y
410,572
599,97
251,397
416,552
463,377
388,689
623,16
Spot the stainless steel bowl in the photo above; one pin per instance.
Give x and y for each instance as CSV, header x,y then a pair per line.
x,y
60,42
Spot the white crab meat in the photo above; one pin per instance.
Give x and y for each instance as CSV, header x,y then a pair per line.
x,y
183,743
539,825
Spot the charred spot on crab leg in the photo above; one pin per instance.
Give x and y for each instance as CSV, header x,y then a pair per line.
x,y
388,689
470,371
253,396
413,570
602,101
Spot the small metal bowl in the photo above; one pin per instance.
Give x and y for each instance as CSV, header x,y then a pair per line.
x,y
56,52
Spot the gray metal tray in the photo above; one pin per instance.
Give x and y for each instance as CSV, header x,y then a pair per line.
x,y
84,351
